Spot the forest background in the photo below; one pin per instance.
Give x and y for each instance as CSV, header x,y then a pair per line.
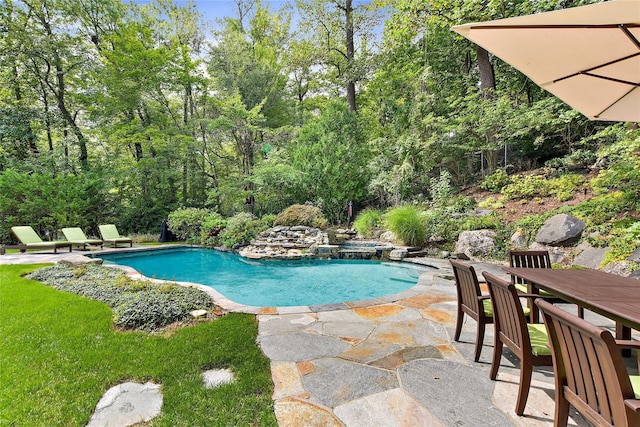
x,y
113,112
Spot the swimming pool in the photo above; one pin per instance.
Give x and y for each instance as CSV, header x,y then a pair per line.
x,y
274,283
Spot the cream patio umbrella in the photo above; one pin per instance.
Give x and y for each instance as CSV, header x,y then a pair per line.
x,y
588,56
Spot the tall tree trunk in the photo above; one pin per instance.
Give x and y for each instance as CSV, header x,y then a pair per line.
x,y
351,85
487,86
59,90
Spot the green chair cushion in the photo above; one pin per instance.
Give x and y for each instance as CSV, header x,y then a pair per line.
x,y
539,339
76,235
521,287
488,307
635,383
109,232
26,235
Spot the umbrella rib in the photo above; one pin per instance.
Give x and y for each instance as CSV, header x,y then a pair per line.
x,y
626,31
613,103
588,71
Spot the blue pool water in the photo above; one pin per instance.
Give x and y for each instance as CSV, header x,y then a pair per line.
x,y
274,283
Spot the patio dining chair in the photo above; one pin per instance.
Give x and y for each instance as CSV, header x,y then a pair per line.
x,y
472,303
527,341
533,259
590,374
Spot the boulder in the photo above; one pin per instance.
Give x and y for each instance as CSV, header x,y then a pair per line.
x,y
78,260
557,254
398,254
590,257
518,240
635,256
476,243
619,268
388,236
560,230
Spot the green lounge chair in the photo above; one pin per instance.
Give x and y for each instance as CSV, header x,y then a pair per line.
x,y
31,240
76,237
110,235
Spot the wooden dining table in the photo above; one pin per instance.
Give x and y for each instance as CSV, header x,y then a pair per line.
x,y
609,295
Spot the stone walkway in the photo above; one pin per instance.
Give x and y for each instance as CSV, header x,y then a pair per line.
x,y
389,361
392,362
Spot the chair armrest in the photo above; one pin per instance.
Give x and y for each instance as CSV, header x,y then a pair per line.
x,y
633,404
521,295
483,297
628,344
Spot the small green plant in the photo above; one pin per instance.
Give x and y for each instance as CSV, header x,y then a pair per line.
x,y
407,224
491,203
491,222
186,223
241,229
307,215
495,182
367,222
564,187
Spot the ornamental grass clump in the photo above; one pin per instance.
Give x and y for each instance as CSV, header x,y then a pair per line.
x,y
407,224
367,223
135,304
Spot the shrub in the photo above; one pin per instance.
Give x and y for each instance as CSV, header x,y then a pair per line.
x,y
211,228
241,228
367,222
186,223
136,304
463,204
308,215
439,223
491,222
407,224
565,187
579,159
267,221
495,182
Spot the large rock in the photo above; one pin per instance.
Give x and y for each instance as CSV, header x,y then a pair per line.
x,y
476,243
591,257
558,254
518,240
560,230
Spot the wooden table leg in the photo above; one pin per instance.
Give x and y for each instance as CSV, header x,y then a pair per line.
x,y
623,333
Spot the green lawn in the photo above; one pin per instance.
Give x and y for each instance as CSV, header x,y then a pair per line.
x,y
59,353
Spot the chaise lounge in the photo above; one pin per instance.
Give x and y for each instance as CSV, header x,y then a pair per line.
x,y
110,235
30,240
77,238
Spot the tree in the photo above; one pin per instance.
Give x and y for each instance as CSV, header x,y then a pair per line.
x,y
343,31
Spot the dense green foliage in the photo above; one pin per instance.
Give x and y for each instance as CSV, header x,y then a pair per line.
x,y
241,229
136,304
62,348
125,113
307,215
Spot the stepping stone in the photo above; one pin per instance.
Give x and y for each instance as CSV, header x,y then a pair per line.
x,y
127,404
216,377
